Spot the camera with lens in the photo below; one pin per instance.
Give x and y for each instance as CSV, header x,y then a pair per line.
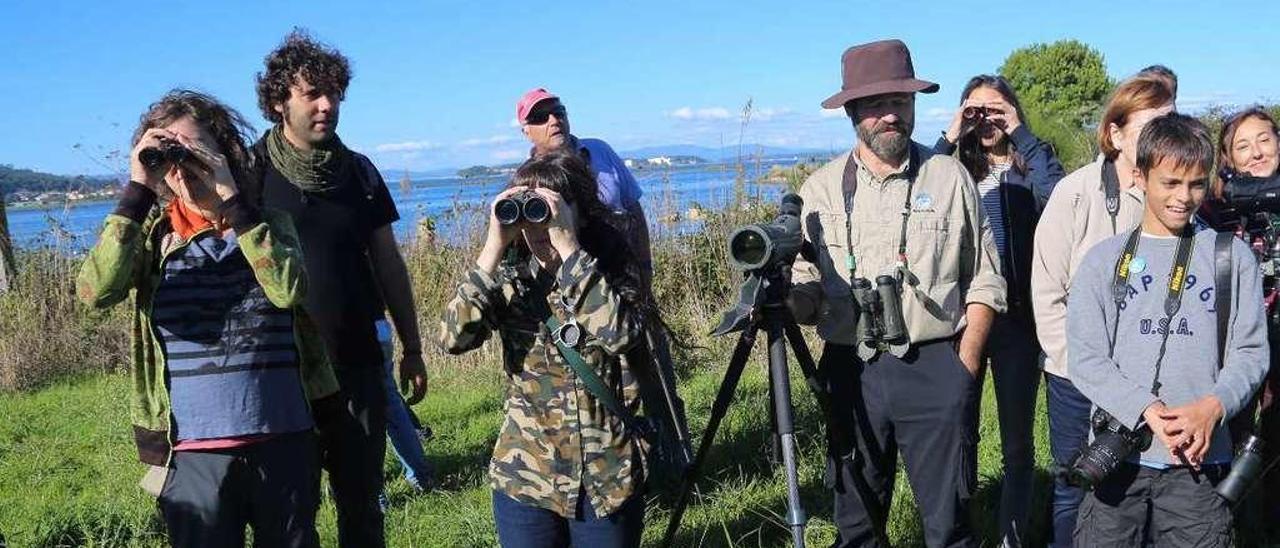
x,y
769,246
881,325
167,153
1113,442
526,206
1246,468
1247,195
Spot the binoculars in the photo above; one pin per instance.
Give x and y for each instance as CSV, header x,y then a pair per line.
x,y
525,206
167,153
978,113
881,325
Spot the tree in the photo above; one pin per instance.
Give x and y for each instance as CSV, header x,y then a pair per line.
x,y
1062,87
1066,80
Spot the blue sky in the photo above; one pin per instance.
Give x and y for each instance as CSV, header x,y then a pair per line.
x,y
436,82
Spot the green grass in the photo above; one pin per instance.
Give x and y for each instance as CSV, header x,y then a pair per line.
x,y
68,472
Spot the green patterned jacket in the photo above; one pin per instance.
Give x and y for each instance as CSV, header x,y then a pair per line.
x,y
556,439
127,261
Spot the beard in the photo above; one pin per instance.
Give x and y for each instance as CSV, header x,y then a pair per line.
x,y
890,147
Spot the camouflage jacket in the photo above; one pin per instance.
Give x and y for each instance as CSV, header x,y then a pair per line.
x,y
127,261
556,439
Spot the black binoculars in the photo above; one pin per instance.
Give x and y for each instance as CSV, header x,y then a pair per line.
x,y
525,206
978,113
880,321
168,153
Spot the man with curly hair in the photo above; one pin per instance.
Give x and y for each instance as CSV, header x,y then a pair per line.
x,y
343,212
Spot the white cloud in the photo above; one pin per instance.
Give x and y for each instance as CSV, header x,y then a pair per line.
x,y
494,140
514,123
509,155
710,113
765,114
938,115
408,146
832,113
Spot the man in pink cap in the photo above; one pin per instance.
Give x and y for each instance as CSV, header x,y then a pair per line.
x,y
545,122
892,220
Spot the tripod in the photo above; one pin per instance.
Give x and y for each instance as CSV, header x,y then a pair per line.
x,y
762,305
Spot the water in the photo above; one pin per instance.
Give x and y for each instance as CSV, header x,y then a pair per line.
x,y
74,226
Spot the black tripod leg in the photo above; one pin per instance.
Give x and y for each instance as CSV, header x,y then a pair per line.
x,y
727,387
785,429
807,366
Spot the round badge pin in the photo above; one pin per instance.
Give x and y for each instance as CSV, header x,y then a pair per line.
x,y
1138,264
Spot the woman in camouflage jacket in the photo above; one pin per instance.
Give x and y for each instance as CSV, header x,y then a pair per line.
x,y
565,469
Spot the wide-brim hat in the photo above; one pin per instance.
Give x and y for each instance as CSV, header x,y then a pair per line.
x,y
874,69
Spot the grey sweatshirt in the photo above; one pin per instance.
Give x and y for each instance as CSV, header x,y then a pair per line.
x,y
1121,385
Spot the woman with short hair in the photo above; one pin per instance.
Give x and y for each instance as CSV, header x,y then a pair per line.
x,y
1089,205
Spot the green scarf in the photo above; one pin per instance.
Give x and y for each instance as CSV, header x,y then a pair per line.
x,y
313,170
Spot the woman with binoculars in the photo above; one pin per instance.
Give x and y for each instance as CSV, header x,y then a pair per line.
x,y
562,290
1015,172
226,363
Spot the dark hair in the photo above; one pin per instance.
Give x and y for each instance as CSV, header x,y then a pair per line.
x,y
1132,95
569,175
226,125
1177,137
970,146
1162,72
300,56
1228,134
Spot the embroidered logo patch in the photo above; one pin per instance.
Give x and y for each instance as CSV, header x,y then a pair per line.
x,y
923,202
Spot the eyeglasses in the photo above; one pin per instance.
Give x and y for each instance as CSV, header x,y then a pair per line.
x,y
539,117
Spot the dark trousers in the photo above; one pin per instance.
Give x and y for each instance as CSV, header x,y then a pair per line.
x,y
924,406
1014,354
353,441
1068,434
523,526
1137,506
272,486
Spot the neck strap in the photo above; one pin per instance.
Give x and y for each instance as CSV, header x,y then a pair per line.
x,y
849,185
1177,283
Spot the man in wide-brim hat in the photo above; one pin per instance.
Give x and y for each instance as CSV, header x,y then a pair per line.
x,y
892,213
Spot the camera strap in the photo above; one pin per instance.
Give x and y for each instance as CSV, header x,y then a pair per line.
x,y
1111,189
1222,290
849,183
1173,297
590,379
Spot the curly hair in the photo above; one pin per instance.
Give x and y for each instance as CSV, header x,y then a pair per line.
x,y
569,175
300,56
228,127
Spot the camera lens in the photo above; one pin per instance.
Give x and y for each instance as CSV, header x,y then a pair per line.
x,y
749,248
507,211
536,209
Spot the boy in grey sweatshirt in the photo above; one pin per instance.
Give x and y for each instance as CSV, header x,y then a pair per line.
x,y
1121,358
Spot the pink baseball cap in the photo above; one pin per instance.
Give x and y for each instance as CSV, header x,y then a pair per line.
x,y
528,100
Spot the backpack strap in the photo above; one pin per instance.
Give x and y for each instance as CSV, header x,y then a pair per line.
x,y
1222,289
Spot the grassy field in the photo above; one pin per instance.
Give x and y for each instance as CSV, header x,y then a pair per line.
x,y
68,471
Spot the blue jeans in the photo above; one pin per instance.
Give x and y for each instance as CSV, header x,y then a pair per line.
x,y
404,437
524,526
1068,434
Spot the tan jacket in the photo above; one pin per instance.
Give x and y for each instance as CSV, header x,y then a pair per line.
x,y
950,248
1074,220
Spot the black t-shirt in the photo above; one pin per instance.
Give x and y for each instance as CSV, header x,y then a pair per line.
x,y
335,229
